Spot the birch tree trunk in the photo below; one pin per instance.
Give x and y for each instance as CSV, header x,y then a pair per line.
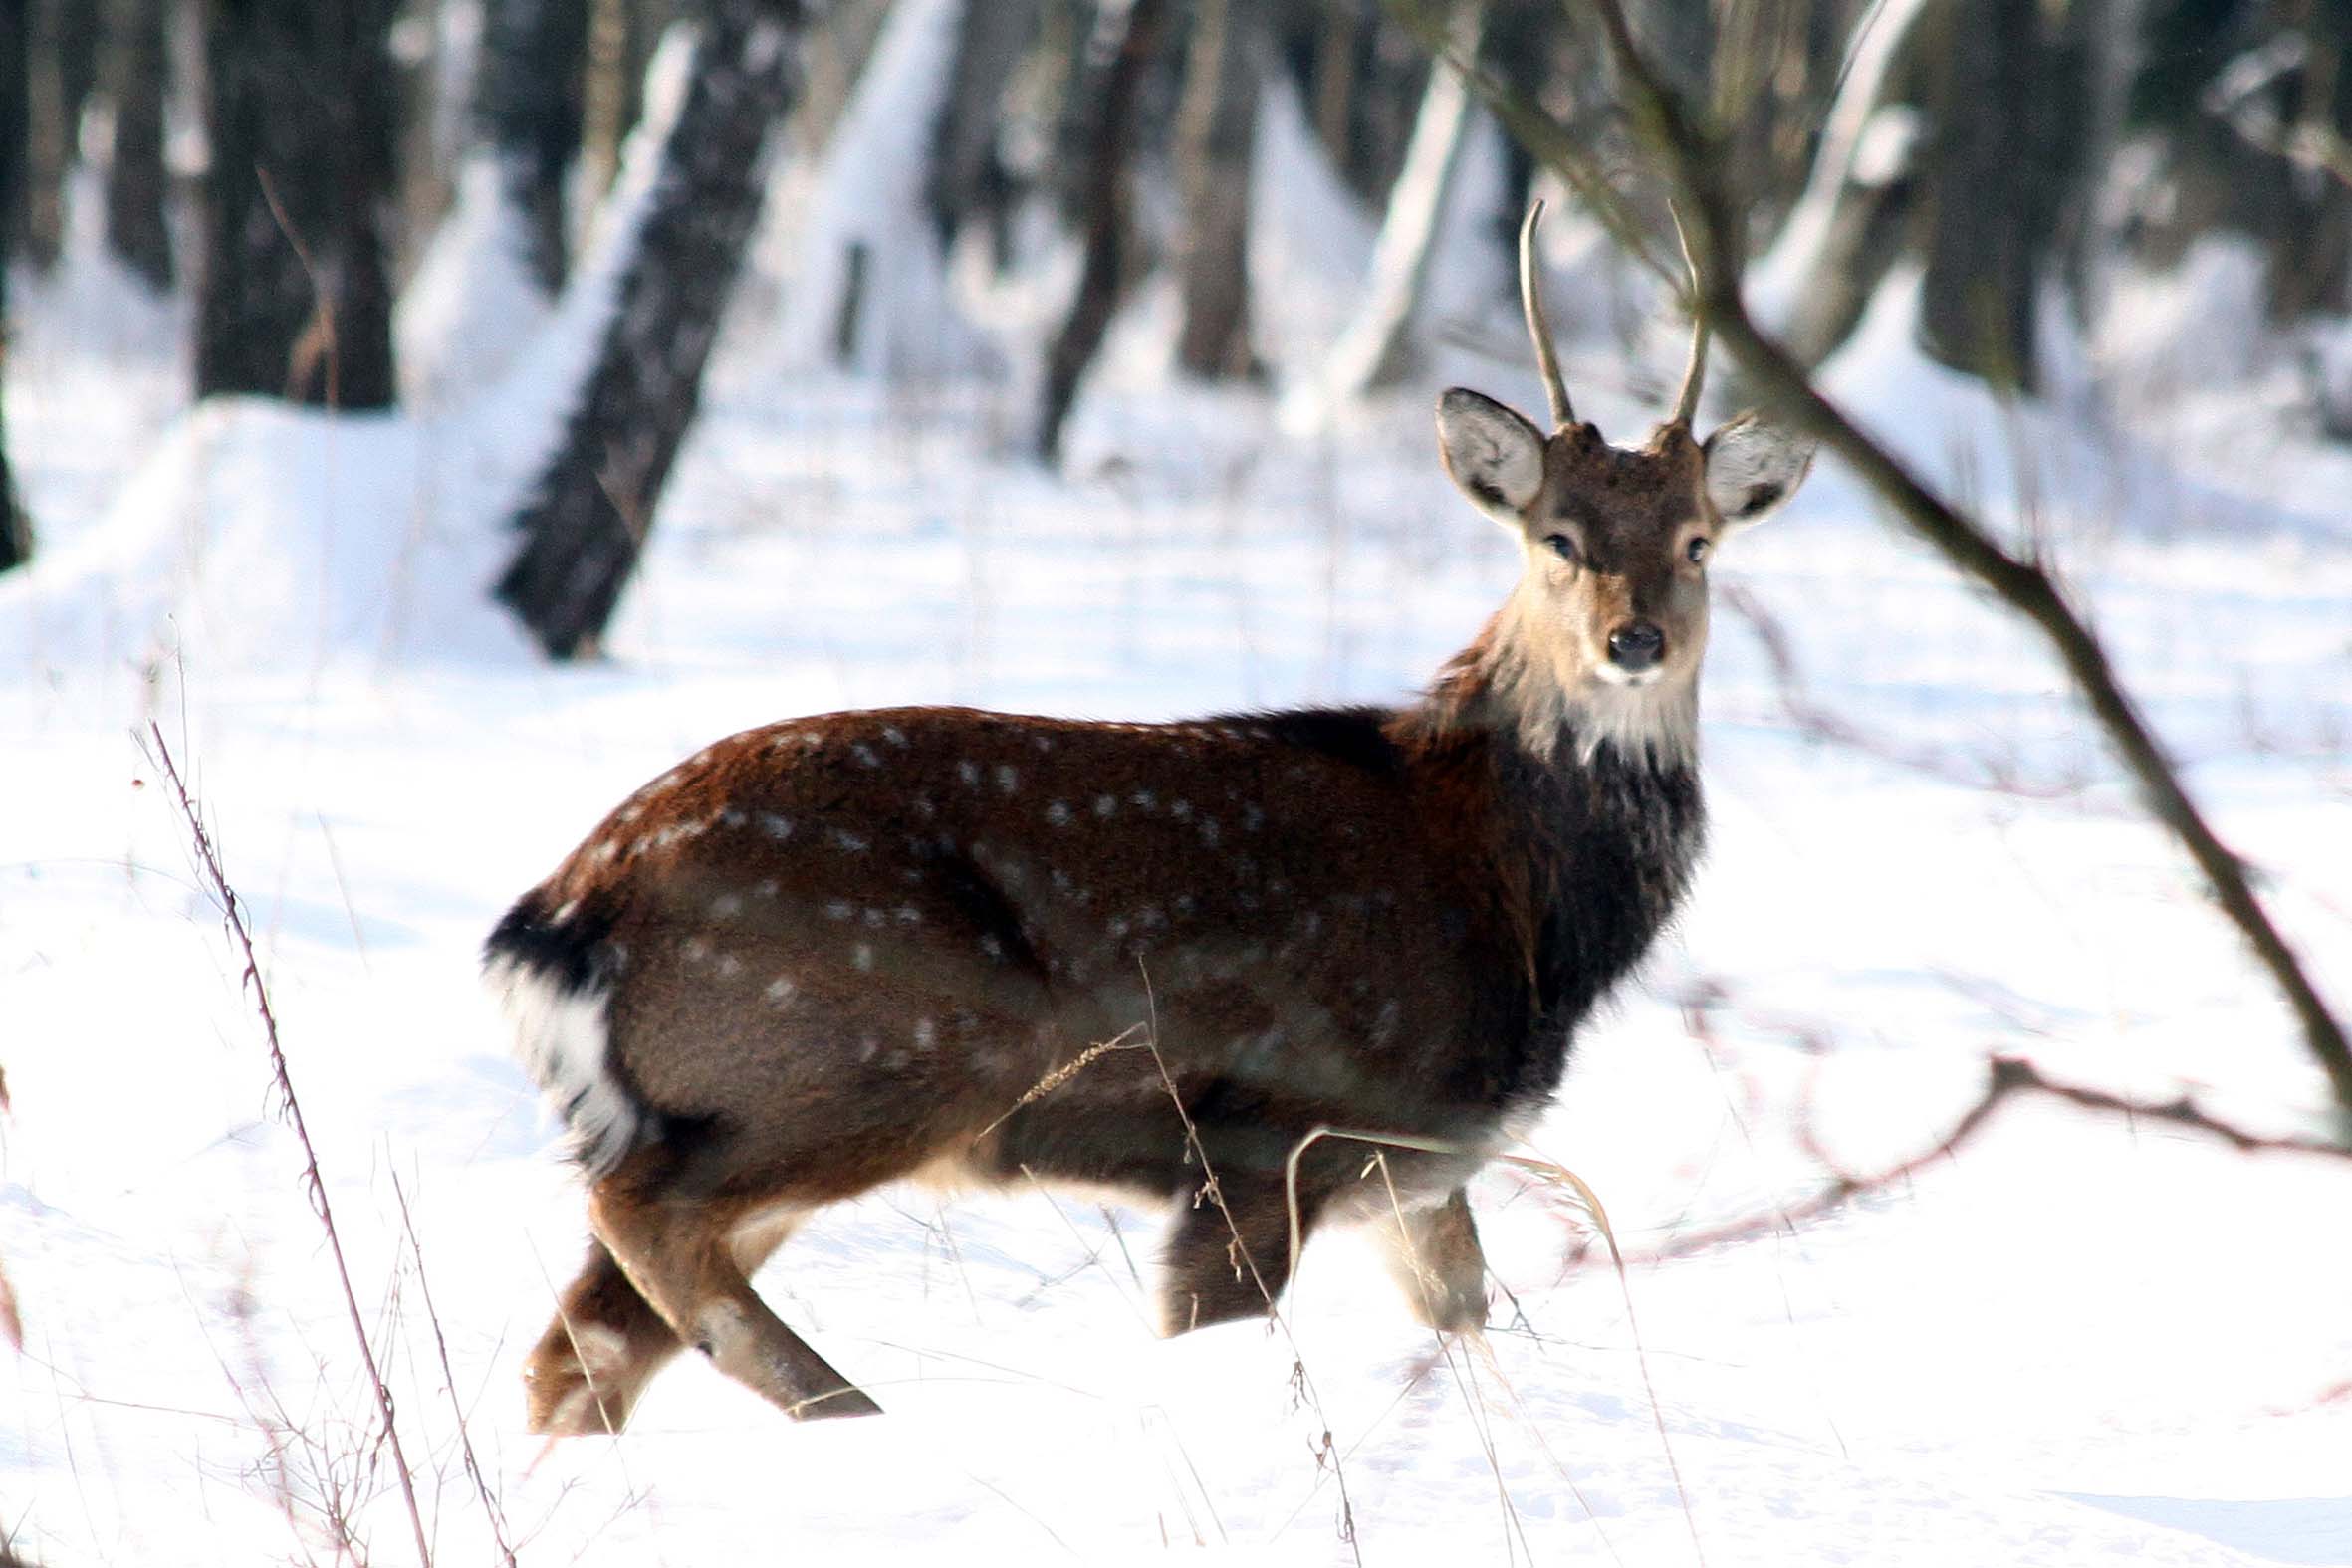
x,y
586,523
1377,349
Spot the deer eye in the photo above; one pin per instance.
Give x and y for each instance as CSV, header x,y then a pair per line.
x,y
1562,547
1695,551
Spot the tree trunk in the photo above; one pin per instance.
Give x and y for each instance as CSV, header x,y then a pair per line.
x,y
15,121
526,104
16,529
967,177
1855,215
1216,131
136,72
1376,349
1128,34
295,299
1996,180
587,519
48,142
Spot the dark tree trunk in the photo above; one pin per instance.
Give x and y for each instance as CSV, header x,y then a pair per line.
x,y
16,529
1997,168
295,299
1215,132
136,72
527,101
1104,197
39,213
587,519
15,121
967,177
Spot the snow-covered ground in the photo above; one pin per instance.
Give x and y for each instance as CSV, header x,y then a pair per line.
x,y
2081,1340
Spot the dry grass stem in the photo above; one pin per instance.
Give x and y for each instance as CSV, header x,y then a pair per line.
x,y
233,920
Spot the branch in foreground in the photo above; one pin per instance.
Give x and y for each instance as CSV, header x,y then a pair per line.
x,y
1690,154
2006,1078
233,918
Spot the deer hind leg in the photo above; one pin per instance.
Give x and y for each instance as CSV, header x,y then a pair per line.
x,y
1228,1254
1434,1255
607,1342
682,1260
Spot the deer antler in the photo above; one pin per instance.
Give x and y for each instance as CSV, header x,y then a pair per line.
x,y
1686,404
1530,293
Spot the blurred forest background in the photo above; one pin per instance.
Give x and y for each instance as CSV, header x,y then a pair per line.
x,y
292,165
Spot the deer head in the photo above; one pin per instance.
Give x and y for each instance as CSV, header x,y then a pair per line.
x,y
1605,629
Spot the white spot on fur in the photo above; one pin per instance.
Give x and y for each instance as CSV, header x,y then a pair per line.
x,y
849,844
968,771
732,817
780,990
767,887
1181,810
775,827
991,946
1008,780
926,1035
894,734
726,906
908,915
876,918
862,956
1210,832
730,965
1057,813
838,909
865,753
1105,804
696,950
1144,800
561,1039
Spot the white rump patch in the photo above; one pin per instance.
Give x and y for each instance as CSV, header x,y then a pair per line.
x,y
562,1041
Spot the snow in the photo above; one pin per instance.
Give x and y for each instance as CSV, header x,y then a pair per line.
x,y
2078,1340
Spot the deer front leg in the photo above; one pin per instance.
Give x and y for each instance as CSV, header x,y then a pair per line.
x,y
1434,1257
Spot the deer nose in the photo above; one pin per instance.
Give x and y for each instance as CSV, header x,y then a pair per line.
x,y
1636,646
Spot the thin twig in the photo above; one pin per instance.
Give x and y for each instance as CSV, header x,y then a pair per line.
x,y
465,1440
2005,1078
233,919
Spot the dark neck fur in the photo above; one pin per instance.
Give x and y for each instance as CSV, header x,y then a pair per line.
x,y
1597,837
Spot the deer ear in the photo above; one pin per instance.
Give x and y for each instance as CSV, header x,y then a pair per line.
x,y
1752,467
1496,456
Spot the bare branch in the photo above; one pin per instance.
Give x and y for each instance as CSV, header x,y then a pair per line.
x,y
2005,1078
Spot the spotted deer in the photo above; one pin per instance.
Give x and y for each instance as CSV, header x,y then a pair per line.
x,y
845,949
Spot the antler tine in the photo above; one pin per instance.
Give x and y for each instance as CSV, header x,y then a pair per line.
x,y
1530,294
1693,379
